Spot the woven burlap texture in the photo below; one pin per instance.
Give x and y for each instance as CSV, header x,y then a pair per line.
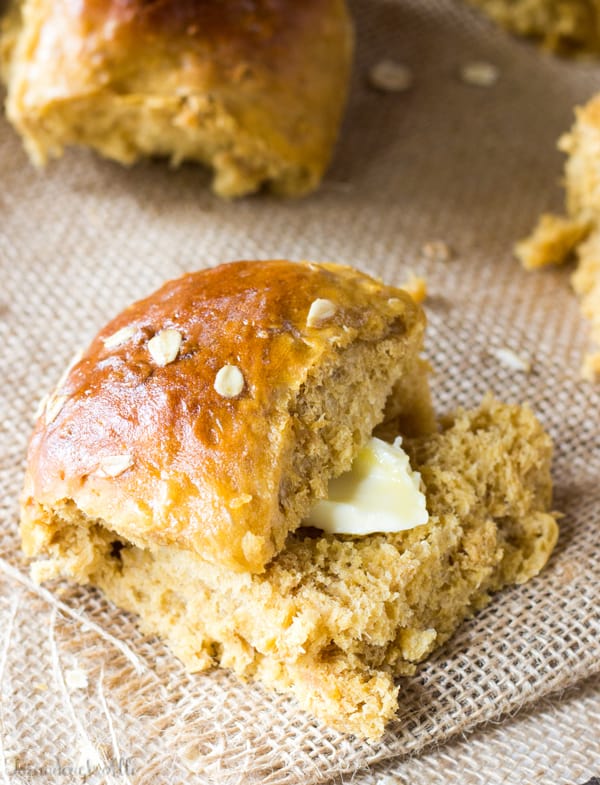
x,y
557,743
447,161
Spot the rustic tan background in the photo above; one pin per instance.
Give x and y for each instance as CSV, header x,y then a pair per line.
x,y
445,161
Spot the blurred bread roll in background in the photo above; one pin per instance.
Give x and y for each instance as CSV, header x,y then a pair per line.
x,y
254,90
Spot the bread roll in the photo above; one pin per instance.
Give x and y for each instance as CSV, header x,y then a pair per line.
x,y
170,451
181,489
567,27
557,239
254,90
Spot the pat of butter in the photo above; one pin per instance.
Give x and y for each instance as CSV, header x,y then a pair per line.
x,y
380,493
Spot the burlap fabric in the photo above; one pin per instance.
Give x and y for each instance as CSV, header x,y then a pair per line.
x,y
555,744
79,685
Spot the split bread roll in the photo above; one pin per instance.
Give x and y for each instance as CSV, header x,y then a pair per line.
x,y
184,492
211,416
557,238
254,90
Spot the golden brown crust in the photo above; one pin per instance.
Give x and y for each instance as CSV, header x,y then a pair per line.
x,y
186,465
254,88
255,29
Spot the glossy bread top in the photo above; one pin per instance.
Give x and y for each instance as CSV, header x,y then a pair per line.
x,y
249,22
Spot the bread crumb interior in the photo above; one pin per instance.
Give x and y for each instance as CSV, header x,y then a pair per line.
x,y
334,619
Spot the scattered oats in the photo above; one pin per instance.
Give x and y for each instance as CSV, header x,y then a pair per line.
x,y
229,381
416,286
113,465
193,759
437,251
120,337
320,311
76,679
479,73
240,501
11,761
164,347
65,374
53,407
512,360
390,77
40,408
52,404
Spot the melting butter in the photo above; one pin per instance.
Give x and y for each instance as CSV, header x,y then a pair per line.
x,y
380,493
